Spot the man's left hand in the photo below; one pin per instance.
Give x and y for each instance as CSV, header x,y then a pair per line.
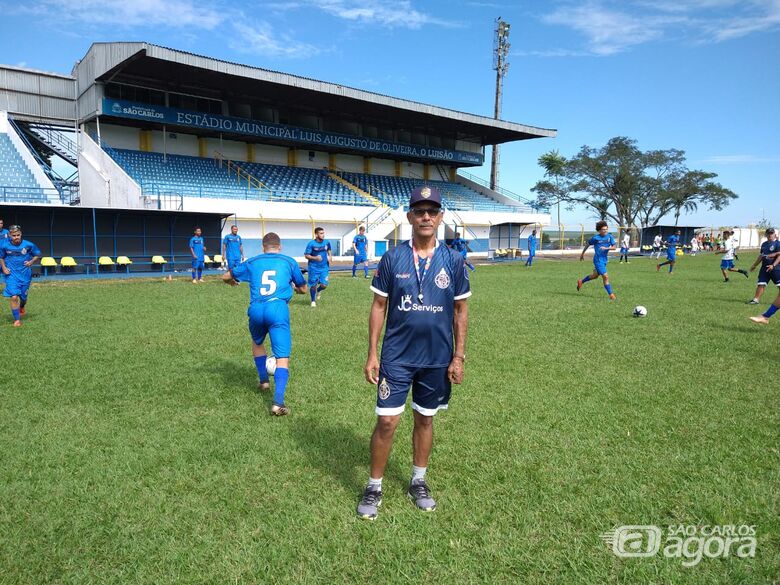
x,y
456,370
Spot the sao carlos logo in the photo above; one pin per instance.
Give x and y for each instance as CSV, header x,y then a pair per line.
x,y
116,108
442,279
384,389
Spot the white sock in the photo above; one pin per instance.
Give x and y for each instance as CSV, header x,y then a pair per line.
x,y
375,483
418,472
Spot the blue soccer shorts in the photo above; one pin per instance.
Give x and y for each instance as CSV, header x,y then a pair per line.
x,y
671,257
726,264
271,319
233,262
766,276
360,258
197,264
600,267
316,277
16,287
431,389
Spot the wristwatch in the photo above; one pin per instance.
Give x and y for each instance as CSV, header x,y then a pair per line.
x,y
461,357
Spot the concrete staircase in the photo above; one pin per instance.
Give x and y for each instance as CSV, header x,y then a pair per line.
x,y
364,194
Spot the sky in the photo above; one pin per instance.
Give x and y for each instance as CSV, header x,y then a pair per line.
x,y
702,76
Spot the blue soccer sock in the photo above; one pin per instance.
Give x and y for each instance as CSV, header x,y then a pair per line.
x,y
470,266
365,270
586,279
281,375
200,273
671,267
608,288
193,274
770,311
313,293
260,365
15,313
354,269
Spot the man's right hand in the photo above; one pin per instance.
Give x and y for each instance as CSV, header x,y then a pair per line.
x,y
372,370
6,271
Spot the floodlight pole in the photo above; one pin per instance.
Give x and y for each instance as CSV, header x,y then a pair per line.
x,y
500,64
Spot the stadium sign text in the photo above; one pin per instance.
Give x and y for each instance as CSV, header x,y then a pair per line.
x,y
245,127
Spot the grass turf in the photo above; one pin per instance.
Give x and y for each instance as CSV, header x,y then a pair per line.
x,y
135,448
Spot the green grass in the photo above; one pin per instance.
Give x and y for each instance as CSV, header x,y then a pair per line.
x,y
135,448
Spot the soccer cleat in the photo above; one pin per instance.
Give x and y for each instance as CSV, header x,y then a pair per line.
x,y
760,319
277,410
200,280
22,311
579,285
264,386
612,296
744,273
353,276
368,507
753,302
319,296
420,494
658,268
194,281
313,303
17,323
367,276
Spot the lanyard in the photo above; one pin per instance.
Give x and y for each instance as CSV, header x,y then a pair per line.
x,y
421,275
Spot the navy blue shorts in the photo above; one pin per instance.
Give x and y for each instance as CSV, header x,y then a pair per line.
x,y
271,319
765,276
431,389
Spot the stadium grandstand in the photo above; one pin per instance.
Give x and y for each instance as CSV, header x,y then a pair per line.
x,y
153,140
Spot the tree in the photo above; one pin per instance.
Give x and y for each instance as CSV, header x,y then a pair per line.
x,y
621,183
554,166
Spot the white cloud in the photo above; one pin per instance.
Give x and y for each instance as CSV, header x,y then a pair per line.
x,y
393,14
262,39
552,53
740,159
134,13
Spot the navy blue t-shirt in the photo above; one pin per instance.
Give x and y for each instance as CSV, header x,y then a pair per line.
x,y
768,248
419,333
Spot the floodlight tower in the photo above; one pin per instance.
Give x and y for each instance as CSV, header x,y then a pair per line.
x,y
501,65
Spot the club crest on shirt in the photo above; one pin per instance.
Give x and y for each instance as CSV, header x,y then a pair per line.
x,y
442,280
23,251
384,389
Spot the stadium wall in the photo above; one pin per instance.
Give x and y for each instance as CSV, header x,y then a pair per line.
x,y
102,182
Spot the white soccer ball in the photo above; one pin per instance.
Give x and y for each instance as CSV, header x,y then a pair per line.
x,y
640,311
270,365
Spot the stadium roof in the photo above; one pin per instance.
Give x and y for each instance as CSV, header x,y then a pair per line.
x,y
190,71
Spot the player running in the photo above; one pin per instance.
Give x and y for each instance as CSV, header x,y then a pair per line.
x,y
232,248
657,241
602,243
624,246
773,269
16,258
671,252
769,250
462,247
319,254
531,248
198,250
271,277
360,247
729,252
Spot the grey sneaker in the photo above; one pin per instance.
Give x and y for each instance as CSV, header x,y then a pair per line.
x,y
418,491
368,508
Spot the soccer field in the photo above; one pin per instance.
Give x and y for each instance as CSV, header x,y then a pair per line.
x,y
136,448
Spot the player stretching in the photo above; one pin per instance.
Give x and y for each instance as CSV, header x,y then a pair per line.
x,y
270,276
602,243
319,254
531,249
462,247
232,248
768,251
729,251
773,270
16,258
624,245
360,247
671,252
197,249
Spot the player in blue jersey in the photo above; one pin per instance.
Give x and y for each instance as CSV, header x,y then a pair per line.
x,y
772,267
531,248
360,247
272,276
766,274
232,248
319,254
16,258
421,286
3,232
602,243
198,251
671,252
461,246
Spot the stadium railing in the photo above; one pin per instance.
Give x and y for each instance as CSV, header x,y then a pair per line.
x,y
11,194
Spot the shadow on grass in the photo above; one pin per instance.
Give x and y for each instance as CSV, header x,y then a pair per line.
x,y
240,377
337,450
